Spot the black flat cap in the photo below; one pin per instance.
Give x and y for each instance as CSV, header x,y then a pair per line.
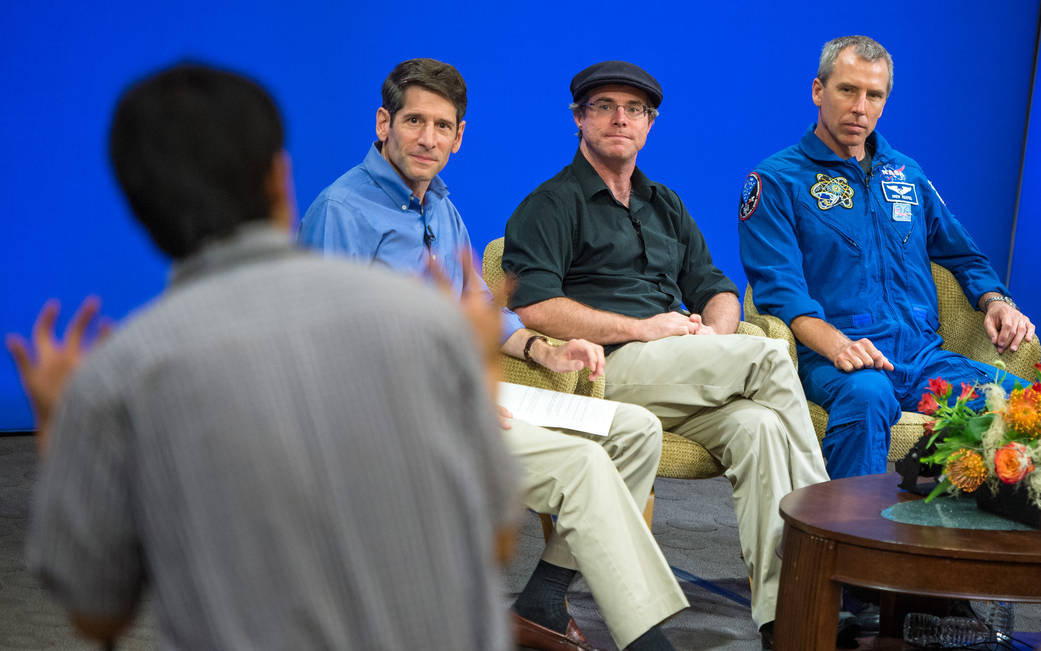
x,y
616,72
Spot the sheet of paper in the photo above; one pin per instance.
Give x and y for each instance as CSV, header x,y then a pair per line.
x,y
555,409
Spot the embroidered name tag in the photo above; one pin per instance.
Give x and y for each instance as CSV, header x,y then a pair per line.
x,y
897,192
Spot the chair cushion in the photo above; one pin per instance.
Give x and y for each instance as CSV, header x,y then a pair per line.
x,y
684,459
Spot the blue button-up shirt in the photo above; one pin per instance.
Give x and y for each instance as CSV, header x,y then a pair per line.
x,y
370,214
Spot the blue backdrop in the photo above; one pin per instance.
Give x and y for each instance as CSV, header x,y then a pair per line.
x,y
736,78
1025,285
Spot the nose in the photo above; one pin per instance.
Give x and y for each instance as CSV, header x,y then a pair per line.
x,y
860,105
620,116
426,135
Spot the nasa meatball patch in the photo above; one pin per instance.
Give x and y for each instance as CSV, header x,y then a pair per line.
x,y
750,196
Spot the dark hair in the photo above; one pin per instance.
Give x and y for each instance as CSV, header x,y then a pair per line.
x,y
192,147
435,76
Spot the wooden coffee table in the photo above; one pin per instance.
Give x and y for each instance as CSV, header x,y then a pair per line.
x,y
834,533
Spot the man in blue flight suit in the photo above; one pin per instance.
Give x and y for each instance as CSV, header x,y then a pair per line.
x,y
836,235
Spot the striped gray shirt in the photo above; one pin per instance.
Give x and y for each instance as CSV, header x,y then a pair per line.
x,y
291,452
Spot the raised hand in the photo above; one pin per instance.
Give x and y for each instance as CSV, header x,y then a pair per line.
x,y
46,363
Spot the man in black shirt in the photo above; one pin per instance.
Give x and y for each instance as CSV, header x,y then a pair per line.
x,y
603,253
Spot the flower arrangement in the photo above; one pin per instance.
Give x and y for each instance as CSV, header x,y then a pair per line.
x,y
997,444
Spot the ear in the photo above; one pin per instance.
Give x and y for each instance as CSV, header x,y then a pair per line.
x,y
279,187
382,124
578,116
817,91
458,137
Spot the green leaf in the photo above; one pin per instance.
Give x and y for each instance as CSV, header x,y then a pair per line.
x,y
978,425
940,489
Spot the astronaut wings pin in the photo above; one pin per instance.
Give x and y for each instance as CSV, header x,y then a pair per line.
x,y
831,192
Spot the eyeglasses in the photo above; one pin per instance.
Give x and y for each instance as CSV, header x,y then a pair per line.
x,y
633,110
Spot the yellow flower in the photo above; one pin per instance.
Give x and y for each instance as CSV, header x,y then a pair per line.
x,y
1023,411
966,470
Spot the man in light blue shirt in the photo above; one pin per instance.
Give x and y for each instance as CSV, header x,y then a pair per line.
x,y
393,209
371,214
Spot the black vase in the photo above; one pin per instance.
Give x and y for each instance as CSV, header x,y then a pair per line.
x,y
1009,502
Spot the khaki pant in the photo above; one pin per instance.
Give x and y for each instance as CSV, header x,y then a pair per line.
x,y
597,487
740,397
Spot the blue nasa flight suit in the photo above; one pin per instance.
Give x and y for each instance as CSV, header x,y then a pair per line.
x,y
821,238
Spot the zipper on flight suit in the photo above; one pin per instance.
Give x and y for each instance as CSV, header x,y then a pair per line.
x,y
865,179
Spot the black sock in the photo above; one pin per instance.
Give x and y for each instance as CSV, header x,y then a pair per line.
x,y
542,600
653,640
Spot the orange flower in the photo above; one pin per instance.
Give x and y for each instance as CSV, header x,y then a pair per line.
x,y
965,469
1012,462
1023,412
928,404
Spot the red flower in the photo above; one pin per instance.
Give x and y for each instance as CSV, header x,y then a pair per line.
x,y
1036,386
928,404
968,392
1012,462
940,387
928,426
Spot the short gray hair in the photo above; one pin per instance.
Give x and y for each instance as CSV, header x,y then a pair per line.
x,y
864,47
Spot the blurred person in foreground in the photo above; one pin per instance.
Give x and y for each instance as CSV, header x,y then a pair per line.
x,y
393,209
272,446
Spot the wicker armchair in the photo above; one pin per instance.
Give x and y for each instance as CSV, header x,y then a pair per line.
x,y
961,327
680,457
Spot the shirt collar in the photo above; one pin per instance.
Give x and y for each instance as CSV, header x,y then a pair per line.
x,y
385,176
251,242
591,183
815,148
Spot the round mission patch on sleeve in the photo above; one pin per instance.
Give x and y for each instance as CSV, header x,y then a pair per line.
x,y
750,196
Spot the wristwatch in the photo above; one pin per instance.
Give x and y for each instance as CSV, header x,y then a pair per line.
x,y
527,346
1003,299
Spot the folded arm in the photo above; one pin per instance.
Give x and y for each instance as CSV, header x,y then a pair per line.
x,y
721,315
565,318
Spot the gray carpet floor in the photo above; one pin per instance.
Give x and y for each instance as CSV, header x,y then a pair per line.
x,y
694,524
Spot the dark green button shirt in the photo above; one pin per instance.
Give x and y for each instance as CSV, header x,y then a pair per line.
x,y
572,238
